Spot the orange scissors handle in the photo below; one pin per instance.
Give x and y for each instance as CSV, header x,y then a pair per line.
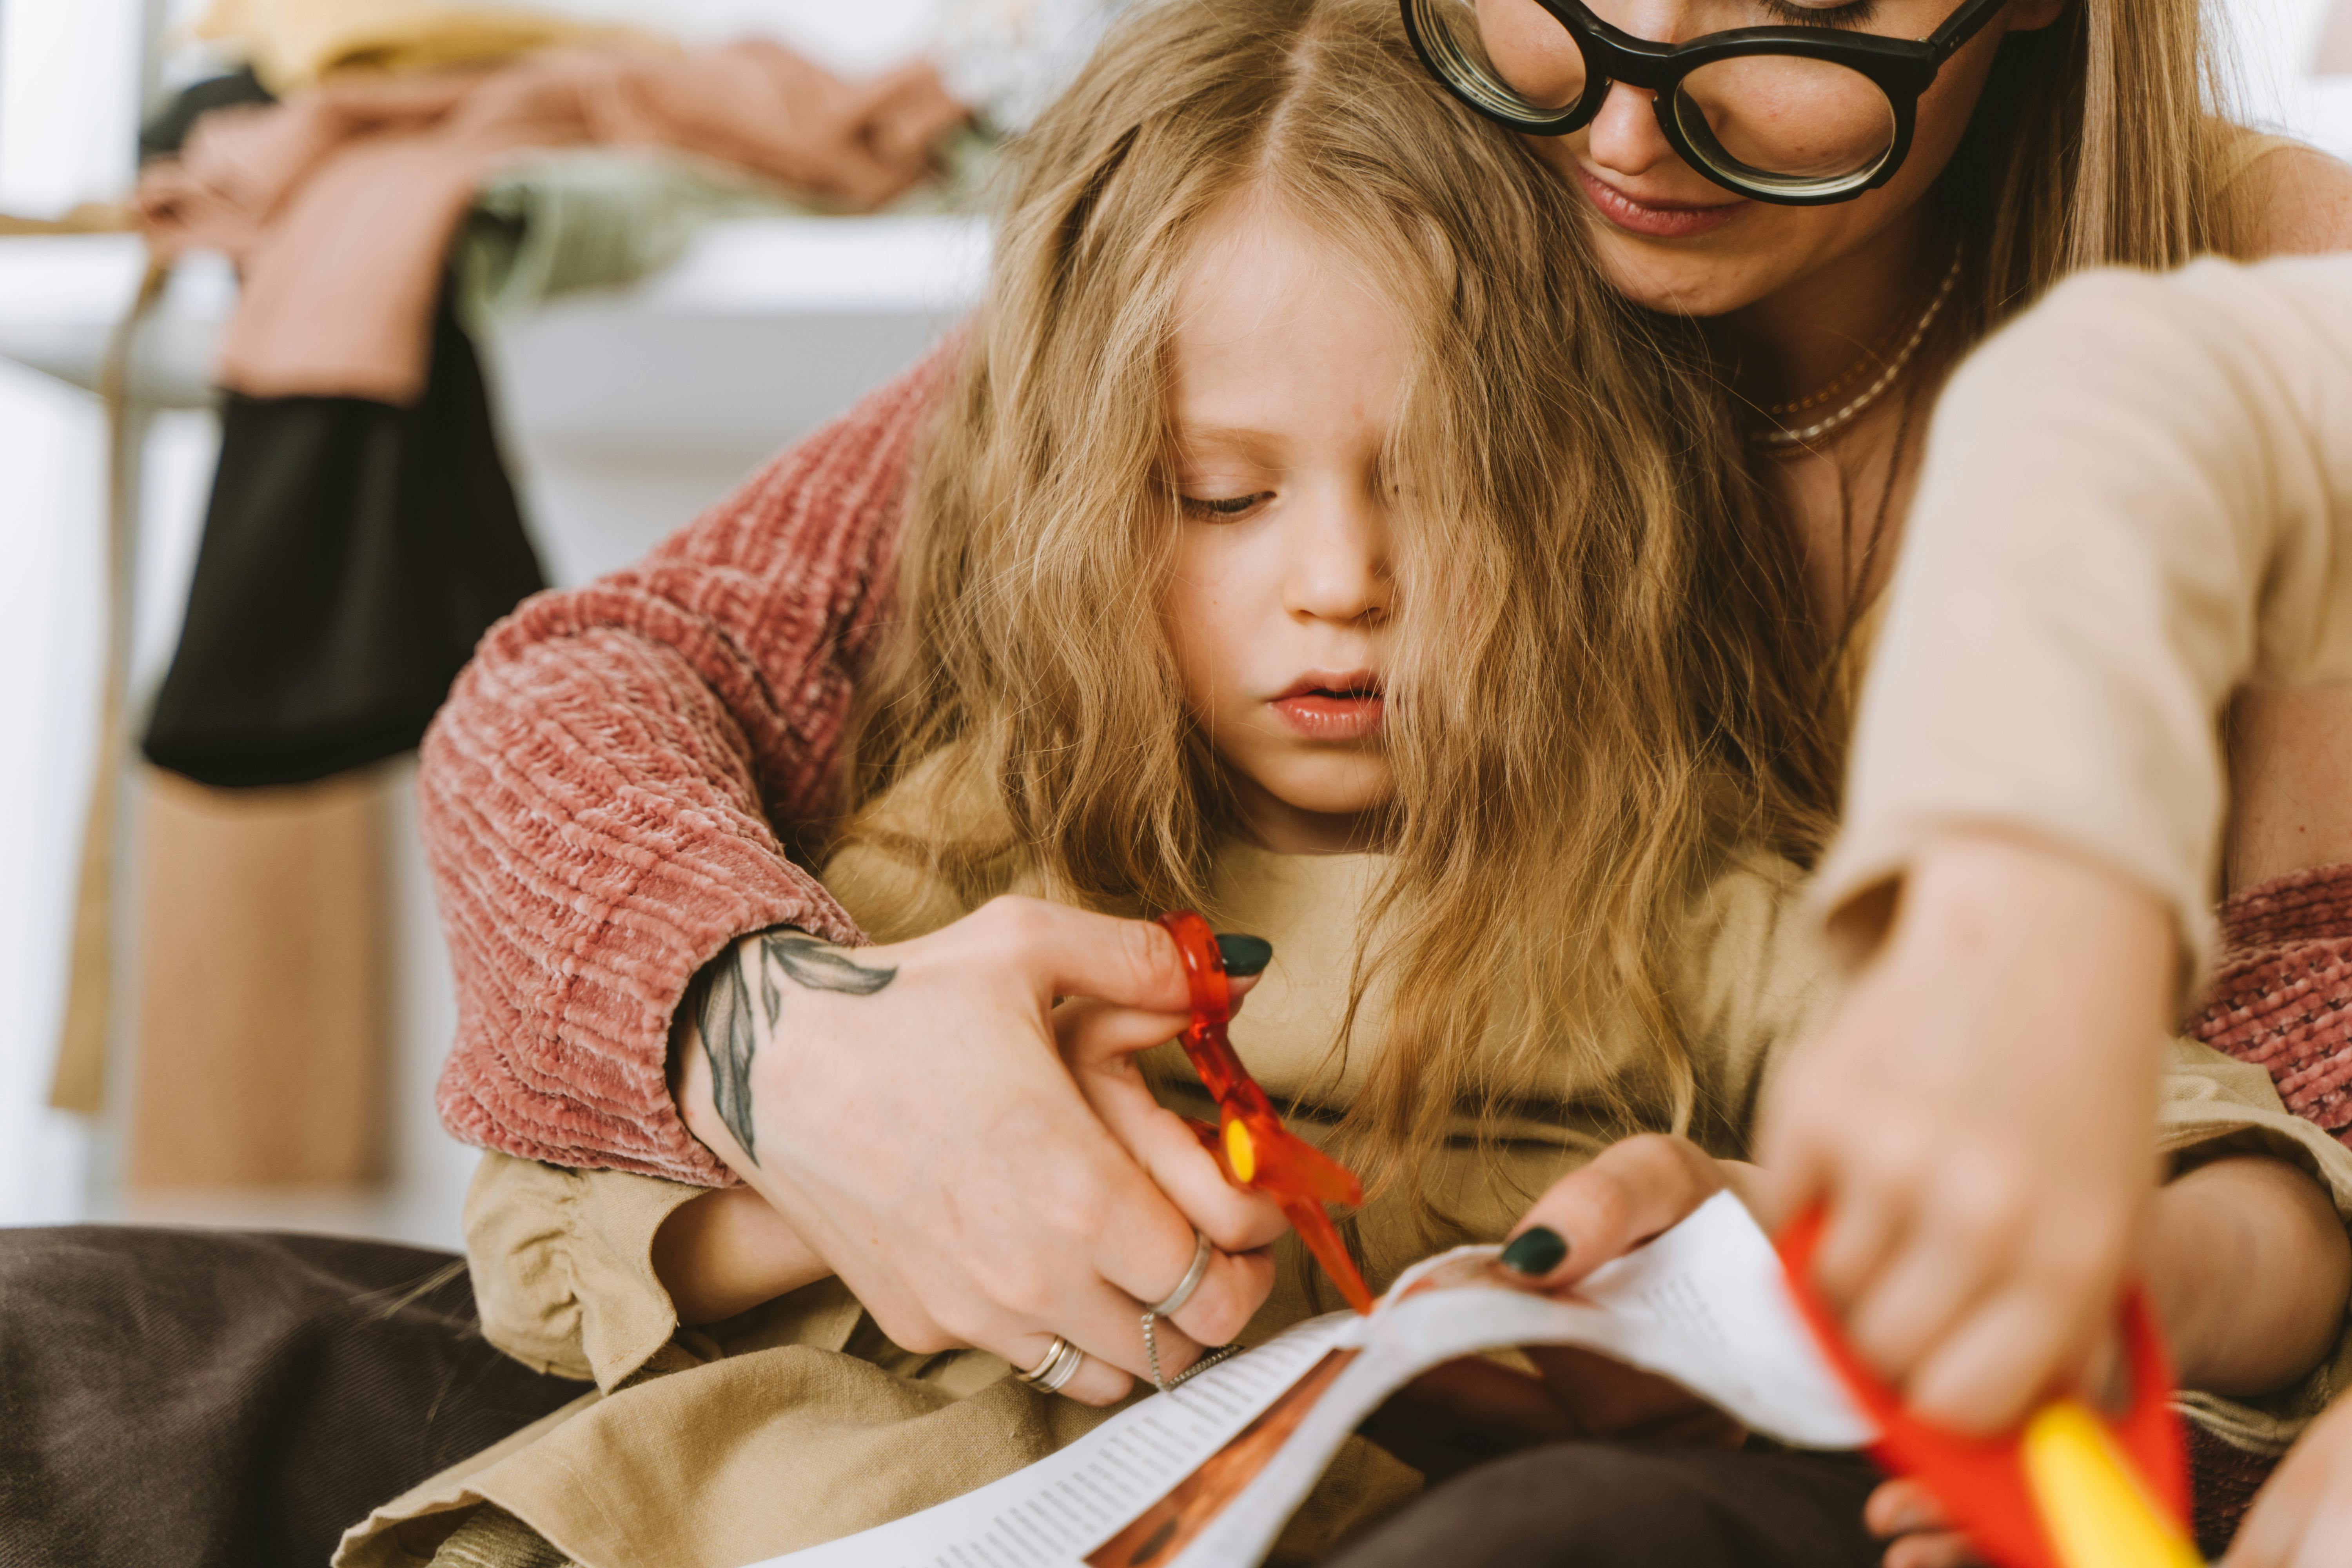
x,y
1255,1148
2072,1489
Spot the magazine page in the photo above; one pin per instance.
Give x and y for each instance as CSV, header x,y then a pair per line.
x,y
1206,1475
1705,1304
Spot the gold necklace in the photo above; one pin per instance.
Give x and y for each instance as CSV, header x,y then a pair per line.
x,y
1784,437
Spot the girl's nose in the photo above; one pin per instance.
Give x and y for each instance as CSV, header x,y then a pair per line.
x,y
1338,569
1624,136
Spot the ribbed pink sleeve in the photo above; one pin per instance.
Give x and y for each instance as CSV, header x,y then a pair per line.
x,y
599,795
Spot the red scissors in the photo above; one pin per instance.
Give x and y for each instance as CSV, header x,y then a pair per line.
x,y
2070,1489
1256,1151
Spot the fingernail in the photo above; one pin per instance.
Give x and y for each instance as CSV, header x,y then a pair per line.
x,y
1244,955
1536,1253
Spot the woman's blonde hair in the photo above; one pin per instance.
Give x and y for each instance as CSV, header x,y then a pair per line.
x,y
1601,657
2101,141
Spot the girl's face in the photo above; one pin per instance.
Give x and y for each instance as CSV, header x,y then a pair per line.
x,y
1669,238
1287,375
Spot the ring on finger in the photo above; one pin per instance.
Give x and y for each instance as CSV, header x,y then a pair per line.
x,y
1199,1270
1173,1301
1059,1365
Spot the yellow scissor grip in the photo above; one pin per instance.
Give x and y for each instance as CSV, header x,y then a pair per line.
x,y
2095,1510
1240,1153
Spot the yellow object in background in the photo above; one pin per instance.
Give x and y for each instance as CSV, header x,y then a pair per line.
x,y
292,44
2097,1513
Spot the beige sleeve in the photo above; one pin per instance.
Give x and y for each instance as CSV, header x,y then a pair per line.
x,y
563,1265
2136,499
1753,979
2213,1106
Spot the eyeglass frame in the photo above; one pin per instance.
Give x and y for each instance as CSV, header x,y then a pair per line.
x,y
1901,68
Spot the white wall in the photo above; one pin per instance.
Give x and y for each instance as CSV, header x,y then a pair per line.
x,y
2274,42
69,102
67,75
52,526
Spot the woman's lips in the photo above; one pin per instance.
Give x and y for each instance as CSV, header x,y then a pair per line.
x,y
1328,707
1656,220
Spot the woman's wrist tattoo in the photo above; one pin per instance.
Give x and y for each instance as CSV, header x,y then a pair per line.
x,y
721,999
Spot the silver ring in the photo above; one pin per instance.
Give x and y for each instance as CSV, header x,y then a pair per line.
x,y
1175,1301
1187,1285
1060,1364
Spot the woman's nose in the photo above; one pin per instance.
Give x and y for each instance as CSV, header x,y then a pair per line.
x,y
1624,136
1658,21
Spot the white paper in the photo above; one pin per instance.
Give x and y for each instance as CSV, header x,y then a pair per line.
x,y
1052,1513
1705,1304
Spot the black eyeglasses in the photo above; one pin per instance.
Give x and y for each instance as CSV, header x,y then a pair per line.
x,y
1799,116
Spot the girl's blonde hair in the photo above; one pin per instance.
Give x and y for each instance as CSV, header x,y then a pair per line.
x,y
1601,656
2101,141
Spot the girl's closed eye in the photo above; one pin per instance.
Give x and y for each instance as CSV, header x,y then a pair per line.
x,y
1223,508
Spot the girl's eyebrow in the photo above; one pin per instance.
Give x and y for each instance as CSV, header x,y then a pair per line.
x,y
1237,441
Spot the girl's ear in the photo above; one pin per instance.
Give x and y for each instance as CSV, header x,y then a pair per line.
x,y
2033,15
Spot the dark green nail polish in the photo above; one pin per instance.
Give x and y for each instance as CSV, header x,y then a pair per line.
x,y
1536,1253
1244,955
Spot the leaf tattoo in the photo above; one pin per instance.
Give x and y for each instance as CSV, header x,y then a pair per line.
x,y
720,998
815,966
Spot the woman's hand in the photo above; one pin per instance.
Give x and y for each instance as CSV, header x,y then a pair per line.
x,y
907,1111
1636,1189
2301,1519
2247,1268
1468,1410
1978,1117
1631,1192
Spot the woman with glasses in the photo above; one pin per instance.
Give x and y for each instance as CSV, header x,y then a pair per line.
x,y
1851,196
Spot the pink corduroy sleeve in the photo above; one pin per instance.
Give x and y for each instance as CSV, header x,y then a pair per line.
x,y
599,797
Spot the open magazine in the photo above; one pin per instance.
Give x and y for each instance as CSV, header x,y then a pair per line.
x,y
1206,1475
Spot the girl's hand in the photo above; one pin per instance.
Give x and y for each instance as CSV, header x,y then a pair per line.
x,y
2303,1516
1978,1116
1906,1516
907,1111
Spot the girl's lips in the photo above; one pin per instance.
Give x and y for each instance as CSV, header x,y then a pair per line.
x,y
1656,220
1330,718
1320,706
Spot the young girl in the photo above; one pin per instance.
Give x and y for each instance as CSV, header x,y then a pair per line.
x,y
1309,538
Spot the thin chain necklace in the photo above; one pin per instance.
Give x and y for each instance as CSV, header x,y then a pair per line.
x,y
1830,424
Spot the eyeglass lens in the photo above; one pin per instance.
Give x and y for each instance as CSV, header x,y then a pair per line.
x,y
1773,119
